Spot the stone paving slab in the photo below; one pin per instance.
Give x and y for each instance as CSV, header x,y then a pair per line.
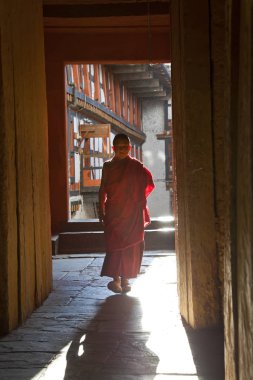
x,y
17,374
82,277
31,373
78,264
59,275
157,253
25,359
77,305
97,262
65,285
100,375
83,331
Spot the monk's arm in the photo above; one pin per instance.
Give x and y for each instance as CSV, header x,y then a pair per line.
x,y
149,182
102,196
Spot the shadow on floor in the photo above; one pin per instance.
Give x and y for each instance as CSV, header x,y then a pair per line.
x,y
207,347
114,347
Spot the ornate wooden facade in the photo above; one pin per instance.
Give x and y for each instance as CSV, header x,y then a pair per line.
x,y
103,100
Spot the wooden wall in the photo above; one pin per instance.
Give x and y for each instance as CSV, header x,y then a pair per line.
x,y
25,258
214,199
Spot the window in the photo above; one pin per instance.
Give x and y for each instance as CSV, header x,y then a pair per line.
x,y
101,84
91,77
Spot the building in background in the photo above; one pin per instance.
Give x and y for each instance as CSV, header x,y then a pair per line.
x,y
101,101
157,150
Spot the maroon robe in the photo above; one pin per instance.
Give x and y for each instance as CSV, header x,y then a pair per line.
x,y
127,184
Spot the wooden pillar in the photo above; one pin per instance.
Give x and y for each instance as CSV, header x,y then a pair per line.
x,y
25,258
86,80
238,290
131,108
112,94
96,84
192,132
57,132
117,96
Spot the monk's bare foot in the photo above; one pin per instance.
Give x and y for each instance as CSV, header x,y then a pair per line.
x,y
125,285
115,286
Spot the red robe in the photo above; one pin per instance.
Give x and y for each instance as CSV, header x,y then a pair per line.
x,y
127,184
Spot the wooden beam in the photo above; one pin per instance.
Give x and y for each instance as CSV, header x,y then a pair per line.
x,y
142,83
143,90
160,94
134,76
67,8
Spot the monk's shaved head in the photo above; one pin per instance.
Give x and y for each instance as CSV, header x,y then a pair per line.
x,y
121,137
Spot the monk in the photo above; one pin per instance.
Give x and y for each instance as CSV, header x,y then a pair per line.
x,y
125,186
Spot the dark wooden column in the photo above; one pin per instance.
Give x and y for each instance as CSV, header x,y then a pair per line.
x,y
25,257
57,133
192,132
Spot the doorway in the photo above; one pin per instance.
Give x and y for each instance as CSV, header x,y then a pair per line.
x,y
103,100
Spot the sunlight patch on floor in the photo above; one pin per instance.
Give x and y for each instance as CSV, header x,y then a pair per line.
x,y
157,292
56,369
156,289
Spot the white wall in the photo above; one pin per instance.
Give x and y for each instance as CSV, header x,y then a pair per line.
x,y
154,156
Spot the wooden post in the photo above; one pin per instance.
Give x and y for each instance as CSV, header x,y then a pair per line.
x,y
192,133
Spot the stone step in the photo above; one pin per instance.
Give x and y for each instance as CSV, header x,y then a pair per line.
x,y
93,241
81,225
163,238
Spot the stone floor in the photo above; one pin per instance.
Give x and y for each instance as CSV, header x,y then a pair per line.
x,y
83,331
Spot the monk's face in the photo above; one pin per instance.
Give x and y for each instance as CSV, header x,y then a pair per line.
x,y
121,149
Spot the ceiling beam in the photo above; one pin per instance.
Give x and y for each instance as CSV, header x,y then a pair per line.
x,y
143,83
134,76
141,23
126,69
81,8
144,90
159,94
151,94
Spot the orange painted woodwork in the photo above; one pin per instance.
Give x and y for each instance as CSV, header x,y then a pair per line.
x,y
96,83
86,80
107,48
71,136
88,182
94,130
72,167
104,145
76,76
